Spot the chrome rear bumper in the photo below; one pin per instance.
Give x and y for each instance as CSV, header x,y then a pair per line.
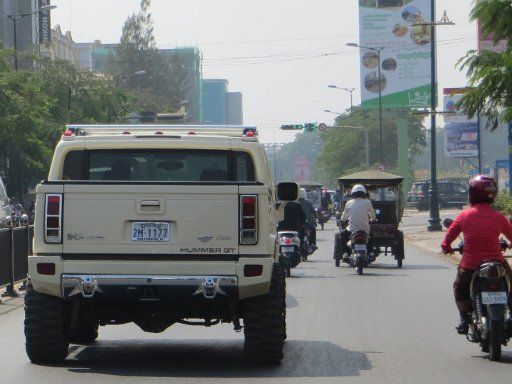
x,y
148,288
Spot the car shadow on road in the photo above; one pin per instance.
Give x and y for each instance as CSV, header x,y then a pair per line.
x,y
213,359
425,267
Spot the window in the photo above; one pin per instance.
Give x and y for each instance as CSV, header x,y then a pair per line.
x,y
159,165
444,188
459,188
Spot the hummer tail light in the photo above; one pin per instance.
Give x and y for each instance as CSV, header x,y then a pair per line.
x,y
53,219
248,219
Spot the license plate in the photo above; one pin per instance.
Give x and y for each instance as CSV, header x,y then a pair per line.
x,y
287,249
150,231
359,247
494,298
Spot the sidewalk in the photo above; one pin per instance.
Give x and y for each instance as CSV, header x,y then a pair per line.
x,y
431,242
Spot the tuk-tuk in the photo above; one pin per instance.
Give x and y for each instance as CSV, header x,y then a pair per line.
x,y
313,192
385,192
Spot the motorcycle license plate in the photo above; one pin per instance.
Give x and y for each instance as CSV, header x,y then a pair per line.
x,y
150,231
494,298
359,247
287,249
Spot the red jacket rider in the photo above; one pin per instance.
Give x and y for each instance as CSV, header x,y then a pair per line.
x,y
482,227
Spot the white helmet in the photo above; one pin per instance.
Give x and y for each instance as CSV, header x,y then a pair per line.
x,y
358,189
303,194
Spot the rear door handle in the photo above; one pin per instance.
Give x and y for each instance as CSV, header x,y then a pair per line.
x,y
150,203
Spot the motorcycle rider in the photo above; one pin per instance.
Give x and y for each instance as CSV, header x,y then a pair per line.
x,y
481,226
358,211
310,213
294,219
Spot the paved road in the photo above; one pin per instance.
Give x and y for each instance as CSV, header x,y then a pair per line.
x,y
388,326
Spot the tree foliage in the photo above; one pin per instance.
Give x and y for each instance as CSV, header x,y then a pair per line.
x,y
163,85
34,107
490,73
344,149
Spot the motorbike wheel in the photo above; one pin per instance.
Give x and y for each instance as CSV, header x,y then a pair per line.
x,y
337,261
495,337
322,224
484,346
359,270
288,269
399,263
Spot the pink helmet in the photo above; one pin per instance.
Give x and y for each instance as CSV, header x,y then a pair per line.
x,y
482,189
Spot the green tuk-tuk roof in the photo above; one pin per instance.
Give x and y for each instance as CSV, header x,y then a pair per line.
x,y
309,184
371,178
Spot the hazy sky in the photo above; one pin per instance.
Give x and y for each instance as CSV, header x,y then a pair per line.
x,y
281,54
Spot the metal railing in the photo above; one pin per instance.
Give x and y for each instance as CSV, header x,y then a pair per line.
x,y
15,246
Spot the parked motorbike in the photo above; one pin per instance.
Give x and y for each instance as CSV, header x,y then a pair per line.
x,y
491,324
289,250
323,216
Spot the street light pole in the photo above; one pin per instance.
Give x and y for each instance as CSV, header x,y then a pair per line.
x,y
350,90
434,222
377,50
15,18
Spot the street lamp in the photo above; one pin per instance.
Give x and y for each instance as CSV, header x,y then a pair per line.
x,y
434,222
15,18
350,90
134,74
377,50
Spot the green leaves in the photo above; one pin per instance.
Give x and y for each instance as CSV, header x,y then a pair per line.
x,y
34,107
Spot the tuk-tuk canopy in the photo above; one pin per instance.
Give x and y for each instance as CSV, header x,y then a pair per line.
x,y
371,178
309,184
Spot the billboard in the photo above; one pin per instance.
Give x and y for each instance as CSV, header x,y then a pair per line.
x,y
461,133
45,28
405,63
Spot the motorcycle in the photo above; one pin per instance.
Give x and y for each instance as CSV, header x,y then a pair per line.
x,y
289,250
359,255
491,323
323,215
307,248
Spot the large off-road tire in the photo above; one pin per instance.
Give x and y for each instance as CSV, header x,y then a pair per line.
x,y
46,330
265,322
84,332
495,337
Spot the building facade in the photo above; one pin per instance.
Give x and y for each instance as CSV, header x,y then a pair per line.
x,y
26,27
62,47
219,105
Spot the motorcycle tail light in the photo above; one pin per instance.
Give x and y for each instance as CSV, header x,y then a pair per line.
x,y
287,241
492,271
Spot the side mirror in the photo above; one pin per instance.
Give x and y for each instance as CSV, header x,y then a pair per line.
x,y
447,222
287,191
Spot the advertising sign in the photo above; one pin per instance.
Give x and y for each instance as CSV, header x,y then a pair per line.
x,y
301,168
45,29
405,59
461,139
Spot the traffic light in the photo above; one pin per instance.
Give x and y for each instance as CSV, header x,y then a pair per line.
x,y
292,127
310,127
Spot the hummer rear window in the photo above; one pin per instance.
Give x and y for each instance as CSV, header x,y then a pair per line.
x,y
159,165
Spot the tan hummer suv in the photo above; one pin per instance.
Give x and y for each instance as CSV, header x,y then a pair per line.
x,y
155,225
